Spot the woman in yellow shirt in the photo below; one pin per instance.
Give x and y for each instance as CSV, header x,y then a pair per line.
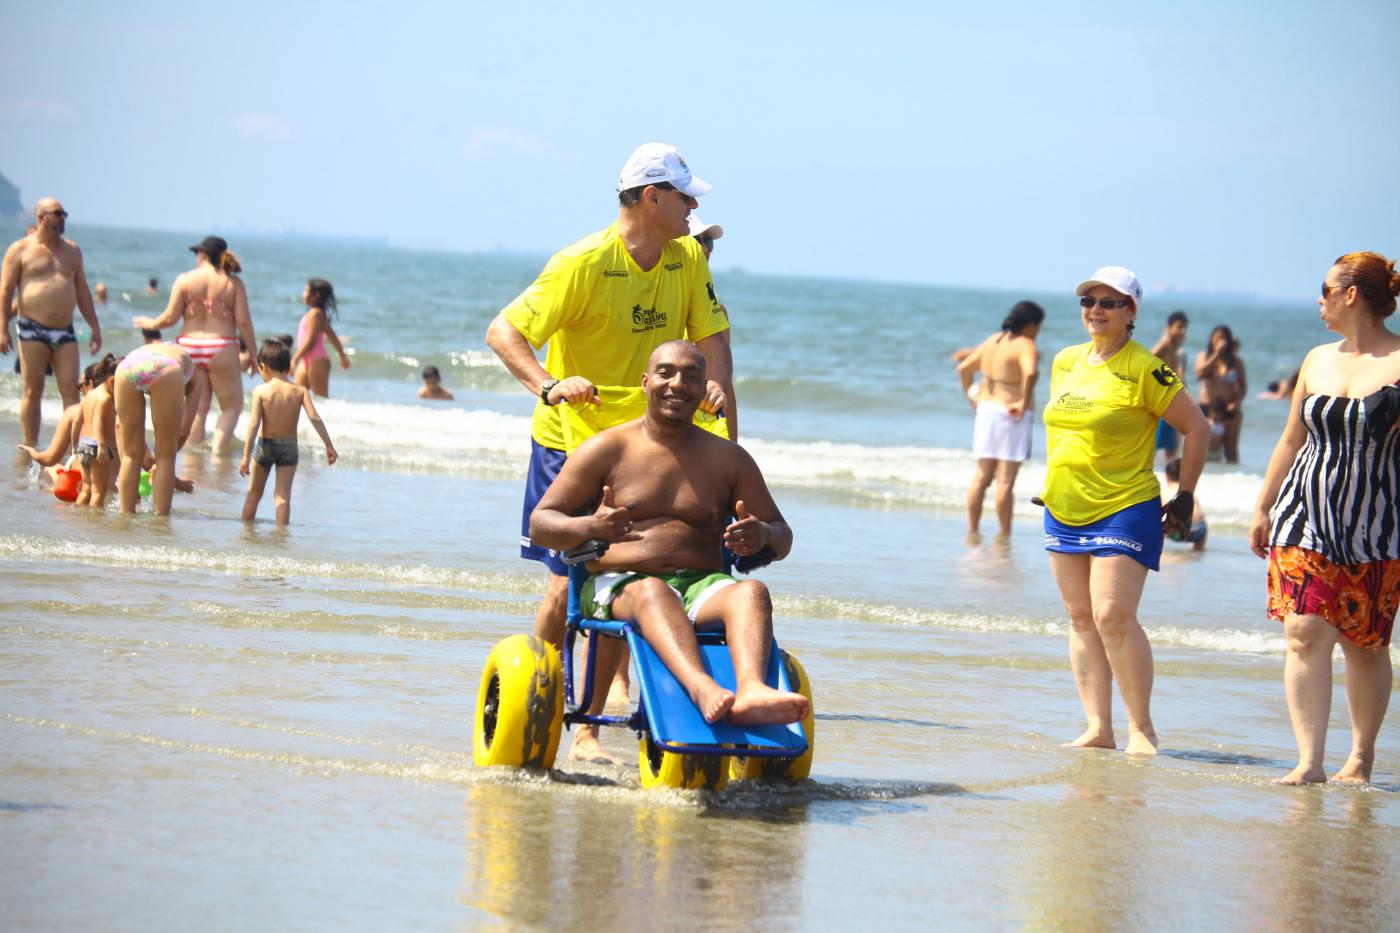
x,y
1104,518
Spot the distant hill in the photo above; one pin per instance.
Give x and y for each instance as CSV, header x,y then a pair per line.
x,y
9,199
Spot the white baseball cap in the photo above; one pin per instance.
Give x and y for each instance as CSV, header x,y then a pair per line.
x,y
1121,280
698,227
653,163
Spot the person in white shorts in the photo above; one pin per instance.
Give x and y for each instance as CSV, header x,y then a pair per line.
x,y
1001,438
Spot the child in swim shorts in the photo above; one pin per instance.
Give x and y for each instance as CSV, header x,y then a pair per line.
x,y
272,435
97,433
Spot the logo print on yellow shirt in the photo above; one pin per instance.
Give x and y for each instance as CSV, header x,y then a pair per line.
x,y
1068,401
645,319
1164,375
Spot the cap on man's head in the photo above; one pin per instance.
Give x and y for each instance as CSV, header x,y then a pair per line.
x,y
699,228
1121,280
211,245
653,163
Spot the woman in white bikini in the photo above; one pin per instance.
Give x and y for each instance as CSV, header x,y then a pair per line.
x,y
214,304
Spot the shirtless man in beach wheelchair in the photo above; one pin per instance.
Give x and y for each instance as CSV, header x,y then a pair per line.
x,y
650,502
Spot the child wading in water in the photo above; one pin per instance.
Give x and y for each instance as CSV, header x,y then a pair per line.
x,y
311,364
97,434
277,406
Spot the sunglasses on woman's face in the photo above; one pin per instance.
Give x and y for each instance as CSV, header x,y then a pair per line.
x,y
1108,304
1329,289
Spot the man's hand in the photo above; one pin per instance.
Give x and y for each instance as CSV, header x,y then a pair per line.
x,y
714,400
5,342
243,467
746,534
610,521
331,456
95,343
574,389
1017,412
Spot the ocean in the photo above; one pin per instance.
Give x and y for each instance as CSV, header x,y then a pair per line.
x,y
208,722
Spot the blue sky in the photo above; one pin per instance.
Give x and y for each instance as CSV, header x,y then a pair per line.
x,y
1233,146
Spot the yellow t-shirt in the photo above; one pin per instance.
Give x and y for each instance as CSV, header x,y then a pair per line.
x,y
602,315
1100,431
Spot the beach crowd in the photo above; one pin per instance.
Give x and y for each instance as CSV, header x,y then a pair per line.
x,y
662,503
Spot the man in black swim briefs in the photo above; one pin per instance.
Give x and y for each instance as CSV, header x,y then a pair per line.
x,y
47,272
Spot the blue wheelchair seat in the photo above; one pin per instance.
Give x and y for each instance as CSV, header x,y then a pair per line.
x,y
666,709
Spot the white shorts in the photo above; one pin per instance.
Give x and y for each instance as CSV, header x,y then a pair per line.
x,y
997,436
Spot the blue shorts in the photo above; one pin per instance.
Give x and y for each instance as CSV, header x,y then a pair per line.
x,y
1166,436
545,464
1135,531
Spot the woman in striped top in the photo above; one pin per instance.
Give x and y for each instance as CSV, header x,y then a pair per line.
x,y
1328,517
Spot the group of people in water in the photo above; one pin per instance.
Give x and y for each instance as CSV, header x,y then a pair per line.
x,y
104,420
660,502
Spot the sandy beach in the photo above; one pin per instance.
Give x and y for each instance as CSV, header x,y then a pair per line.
x,y
218,724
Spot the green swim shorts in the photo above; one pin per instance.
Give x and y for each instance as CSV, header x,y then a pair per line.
x,y
693,587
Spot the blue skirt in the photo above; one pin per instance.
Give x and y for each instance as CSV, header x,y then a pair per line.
x,y
1135,531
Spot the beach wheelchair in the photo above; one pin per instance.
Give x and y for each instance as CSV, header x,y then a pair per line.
x,y
528,693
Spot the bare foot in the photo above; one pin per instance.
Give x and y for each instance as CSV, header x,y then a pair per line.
x,y
1141,743
1357,770
712,700
586,747
183,485
618,694
762,704
1094,738
1302,775
974,538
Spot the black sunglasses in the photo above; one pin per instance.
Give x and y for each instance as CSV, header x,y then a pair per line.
x,y
58,213
1108,304
1329,289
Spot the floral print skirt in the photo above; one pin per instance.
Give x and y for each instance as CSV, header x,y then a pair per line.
x,y
1359,600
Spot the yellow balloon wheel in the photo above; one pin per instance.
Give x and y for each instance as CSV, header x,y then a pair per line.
x,y
661,768
783,769
520,705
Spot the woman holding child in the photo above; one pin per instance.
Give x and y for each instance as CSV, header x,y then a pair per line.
x,y
1104,518
1326,518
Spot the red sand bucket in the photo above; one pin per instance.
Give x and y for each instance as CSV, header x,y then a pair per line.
x,y
66,485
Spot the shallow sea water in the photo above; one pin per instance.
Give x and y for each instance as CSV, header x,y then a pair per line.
x,y
209,724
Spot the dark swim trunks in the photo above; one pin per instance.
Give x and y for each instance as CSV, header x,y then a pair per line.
x,y
545,464
88,448
51,337
270,453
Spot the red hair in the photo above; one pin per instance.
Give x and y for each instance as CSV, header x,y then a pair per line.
x,y
1374,277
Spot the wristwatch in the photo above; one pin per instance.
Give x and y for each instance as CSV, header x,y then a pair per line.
x,y
544,390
